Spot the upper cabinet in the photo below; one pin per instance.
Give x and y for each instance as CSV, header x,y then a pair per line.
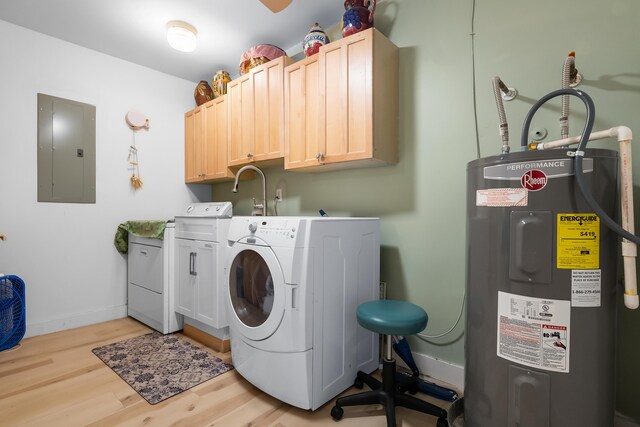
x,y
256,114
193,137
336,109
206,139
302,114
341,105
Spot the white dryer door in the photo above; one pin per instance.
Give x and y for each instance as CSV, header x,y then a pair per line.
x,y
256,291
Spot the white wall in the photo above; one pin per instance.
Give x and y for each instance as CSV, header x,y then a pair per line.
x,y
65,252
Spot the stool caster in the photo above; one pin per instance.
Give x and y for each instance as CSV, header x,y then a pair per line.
x,y
337,413
442,423
413,389
358,383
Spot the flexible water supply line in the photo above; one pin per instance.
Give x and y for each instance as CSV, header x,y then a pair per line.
x,y
629,242
499,86
568,65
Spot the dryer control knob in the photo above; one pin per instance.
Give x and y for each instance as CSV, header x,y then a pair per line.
x,y
253,227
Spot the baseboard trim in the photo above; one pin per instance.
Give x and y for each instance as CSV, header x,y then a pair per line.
x,y
75,321
438,369
210,341
623,421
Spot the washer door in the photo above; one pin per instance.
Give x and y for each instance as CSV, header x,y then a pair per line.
x,y
256,291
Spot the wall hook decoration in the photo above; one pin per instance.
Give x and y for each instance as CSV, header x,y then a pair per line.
x,y
136,122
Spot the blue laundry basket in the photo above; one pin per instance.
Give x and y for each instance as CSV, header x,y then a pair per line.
x,y
12,311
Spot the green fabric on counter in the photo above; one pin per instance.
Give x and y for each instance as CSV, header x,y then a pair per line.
x,y
149,229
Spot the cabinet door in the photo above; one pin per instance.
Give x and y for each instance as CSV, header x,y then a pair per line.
x,y
215,142
346,89
193,145
208,306
302,115
185,277
268,102
241,132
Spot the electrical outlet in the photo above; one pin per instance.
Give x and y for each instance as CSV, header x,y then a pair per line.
x,y
383,290
279,194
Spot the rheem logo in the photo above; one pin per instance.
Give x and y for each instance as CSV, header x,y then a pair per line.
x,y
534,180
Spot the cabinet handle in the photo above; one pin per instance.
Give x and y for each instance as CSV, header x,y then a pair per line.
x,y
249,155
320,157
195,273
192,264
143,252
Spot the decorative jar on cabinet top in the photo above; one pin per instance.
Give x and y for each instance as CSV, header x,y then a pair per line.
x,y
358,16
315,38
203,93
219,83
259,55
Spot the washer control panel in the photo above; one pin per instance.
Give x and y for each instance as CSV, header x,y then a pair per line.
x,y
274,231
270,228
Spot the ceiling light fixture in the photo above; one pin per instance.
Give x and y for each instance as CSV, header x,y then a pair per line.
x,y
181,36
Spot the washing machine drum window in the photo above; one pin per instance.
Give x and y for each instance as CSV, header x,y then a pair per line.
x,y
251,288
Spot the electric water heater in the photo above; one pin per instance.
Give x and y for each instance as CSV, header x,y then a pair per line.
x,y
541,291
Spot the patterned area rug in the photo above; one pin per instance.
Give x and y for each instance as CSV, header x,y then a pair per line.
x,y
159,366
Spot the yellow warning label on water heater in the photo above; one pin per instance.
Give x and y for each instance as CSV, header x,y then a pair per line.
x,y
578,244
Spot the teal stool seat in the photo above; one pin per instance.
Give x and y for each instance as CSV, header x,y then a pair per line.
x,y
390,317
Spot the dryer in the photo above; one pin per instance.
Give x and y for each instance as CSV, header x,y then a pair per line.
x,y
150,281
293,287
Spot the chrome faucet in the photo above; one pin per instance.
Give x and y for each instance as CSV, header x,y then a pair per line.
x,y
262,205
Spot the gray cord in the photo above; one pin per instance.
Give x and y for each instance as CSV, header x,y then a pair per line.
x,y
473,74
424,336
582,146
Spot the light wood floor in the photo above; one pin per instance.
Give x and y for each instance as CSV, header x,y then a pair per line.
x,y
55,380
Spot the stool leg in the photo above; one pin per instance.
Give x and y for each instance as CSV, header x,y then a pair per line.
x,y
389,404
389,376
365,398
367,379
389,388
416,404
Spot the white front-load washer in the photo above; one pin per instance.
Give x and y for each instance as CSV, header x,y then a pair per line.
x,y
294,285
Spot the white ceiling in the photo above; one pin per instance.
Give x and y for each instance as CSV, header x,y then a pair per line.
x,y
135,30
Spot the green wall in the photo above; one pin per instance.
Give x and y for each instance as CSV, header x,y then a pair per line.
x,y
421,200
